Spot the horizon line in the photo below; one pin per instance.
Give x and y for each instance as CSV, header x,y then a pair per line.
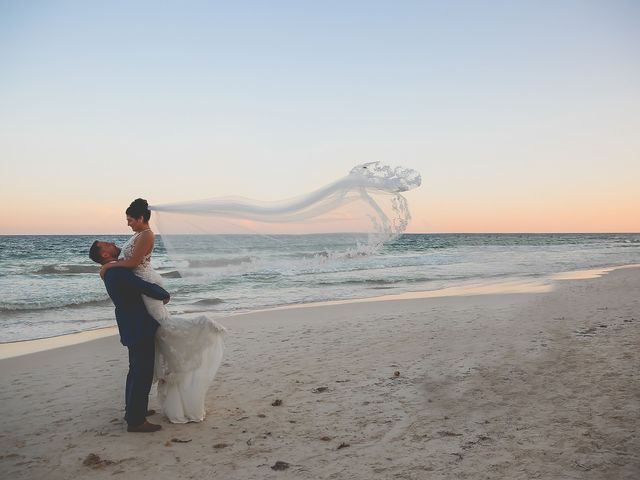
x,y
332,233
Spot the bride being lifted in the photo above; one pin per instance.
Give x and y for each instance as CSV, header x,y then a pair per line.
x,y
188,349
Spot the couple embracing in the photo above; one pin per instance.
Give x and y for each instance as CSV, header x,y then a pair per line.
x,y
183,354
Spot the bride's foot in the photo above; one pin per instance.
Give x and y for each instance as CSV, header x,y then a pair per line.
x,y
145,427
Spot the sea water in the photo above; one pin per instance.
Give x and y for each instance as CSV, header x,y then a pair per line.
x,y
48,285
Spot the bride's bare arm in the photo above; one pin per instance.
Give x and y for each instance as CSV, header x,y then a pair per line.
x,y
143,246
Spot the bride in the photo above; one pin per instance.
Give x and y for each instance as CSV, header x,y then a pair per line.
x,y
188,350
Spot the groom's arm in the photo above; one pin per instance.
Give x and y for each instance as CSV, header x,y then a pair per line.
x,y
129,279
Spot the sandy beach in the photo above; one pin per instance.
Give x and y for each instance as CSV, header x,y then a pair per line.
x,y
514,385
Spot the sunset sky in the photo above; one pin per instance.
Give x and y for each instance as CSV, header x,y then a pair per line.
x,y
520,116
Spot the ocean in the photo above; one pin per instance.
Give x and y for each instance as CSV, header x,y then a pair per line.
x,y
48,285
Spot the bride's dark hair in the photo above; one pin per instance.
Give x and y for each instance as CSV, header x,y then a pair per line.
x,y
139,208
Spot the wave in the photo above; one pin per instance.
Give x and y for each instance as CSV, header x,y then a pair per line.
x,y
364,281
208,302
219,262
171,274
202,306
390,282
57,269
25,308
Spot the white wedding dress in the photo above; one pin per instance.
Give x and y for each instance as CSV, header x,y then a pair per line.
x,y
188,352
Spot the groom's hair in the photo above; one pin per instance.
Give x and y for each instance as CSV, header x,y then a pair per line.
x,y
94,252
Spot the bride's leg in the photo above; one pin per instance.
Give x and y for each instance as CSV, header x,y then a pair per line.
x,y
156,309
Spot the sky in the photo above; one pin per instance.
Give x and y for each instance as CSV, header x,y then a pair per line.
x,y
520,116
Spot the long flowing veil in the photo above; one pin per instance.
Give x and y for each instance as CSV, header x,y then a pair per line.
x,y
349,218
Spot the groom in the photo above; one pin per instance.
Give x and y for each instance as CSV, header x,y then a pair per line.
x,y
137,332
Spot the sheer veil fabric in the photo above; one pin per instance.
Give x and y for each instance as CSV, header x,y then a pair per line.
x,y
362,211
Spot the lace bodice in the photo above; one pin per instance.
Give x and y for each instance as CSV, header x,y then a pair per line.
x,y
127,253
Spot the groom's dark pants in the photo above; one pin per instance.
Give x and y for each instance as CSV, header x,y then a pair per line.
x,y
139,380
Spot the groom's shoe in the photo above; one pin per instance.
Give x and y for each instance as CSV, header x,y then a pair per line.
x,y
149,413
145,427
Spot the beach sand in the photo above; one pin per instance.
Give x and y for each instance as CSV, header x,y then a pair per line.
x,y
515,386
